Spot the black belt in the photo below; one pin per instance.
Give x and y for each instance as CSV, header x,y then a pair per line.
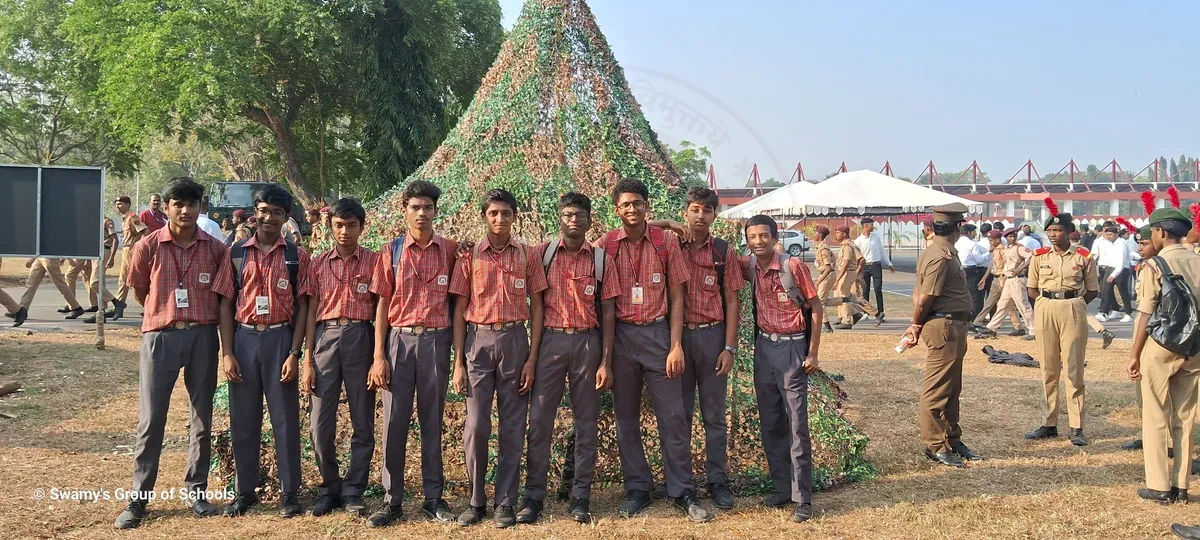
x,y
569,331
1061,295
183,325
494,326
698,326
964,316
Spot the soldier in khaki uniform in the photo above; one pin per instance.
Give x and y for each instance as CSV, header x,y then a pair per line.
x,y
38,269
941,313
849,262
1014,294
995,237
76,268
10,306
133,230
824,272
1168,380
1062,281
95,288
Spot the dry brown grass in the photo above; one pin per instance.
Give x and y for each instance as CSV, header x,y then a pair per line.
x,y
13,272
76,421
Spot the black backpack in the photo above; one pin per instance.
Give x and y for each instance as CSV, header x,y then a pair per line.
x,y
291,261
1174,324
788,281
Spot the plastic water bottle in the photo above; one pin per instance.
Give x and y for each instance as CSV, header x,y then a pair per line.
x,y
903,345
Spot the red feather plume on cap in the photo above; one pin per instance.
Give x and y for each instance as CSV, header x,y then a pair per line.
x,y
1051,206
1148,202
1174,195
1195,208
1128,225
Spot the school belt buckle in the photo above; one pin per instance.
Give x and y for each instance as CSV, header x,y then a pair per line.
x,y
262,327
784,337
646,323
346,322
181,325
694,326
569,331
418,330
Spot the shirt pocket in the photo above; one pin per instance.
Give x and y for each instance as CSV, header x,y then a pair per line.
x,y
204,274
360,287
708,280
585,288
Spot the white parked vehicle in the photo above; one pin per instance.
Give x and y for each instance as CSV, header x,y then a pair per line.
x,y
794,242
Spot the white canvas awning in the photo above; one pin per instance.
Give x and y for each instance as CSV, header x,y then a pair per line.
x,y
773,203
867,192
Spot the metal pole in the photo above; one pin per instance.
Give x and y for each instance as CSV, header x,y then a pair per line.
x,y
101,286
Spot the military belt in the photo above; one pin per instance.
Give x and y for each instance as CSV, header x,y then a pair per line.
x,y
1061,295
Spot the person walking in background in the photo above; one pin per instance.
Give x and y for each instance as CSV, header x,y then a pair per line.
x,y
825,277
153,217
994,284
1028,239
875,257
1014,293
1113,260
38,269
133,230
974,260
75,269
849,263
97,290
240,230
1087,237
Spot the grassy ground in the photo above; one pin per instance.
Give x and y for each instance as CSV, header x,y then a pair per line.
x,y
13,272
75,423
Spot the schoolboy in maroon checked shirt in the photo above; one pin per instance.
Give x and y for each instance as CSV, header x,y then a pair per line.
x,y
783,359
341,342
577,346
648,350
261,351
170,273
710,333
412,352
498,287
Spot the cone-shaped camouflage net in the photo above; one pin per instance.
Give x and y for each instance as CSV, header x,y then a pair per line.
x,y
555,114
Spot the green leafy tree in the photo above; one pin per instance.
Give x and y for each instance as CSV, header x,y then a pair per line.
x,y
692,163
301,70
46,113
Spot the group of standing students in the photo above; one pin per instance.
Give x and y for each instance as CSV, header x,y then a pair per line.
x,y
511,326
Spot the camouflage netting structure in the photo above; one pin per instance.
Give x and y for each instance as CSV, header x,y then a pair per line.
x,y
554,114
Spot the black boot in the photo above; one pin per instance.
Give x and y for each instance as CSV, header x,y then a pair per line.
x,y
118,309
437,509
530,512
827,328
1044,432
290,506
133,515
505,517
1077,438
1132,445
1108,338
325,504
945,458
692,509
385,515
581,511
75,314
240,504
721,496
636,501
19,318
802,513
472,515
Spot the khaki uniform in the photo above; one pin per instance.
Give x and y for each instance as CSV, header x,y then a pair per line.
x,y
825,260
1015,292
850,305
81,267
133,229
7,301
940,274
993,297
94,285
37,271
1169,381
1061,325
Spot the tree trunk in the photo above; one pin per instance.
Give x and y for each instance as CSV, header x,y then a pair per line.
x,y
289,157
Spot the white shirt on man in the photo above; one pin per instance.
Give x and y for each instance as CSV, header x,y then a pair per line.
x,y
209,226
1030,242
970,253
1112,254
872,249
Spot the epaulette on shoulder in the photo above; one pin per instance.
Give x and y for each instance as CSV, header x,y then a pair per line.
x,y
1042,251
1083,252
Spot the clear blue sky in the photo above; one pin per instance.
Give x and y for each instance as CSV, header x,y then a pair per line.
x,y
864,82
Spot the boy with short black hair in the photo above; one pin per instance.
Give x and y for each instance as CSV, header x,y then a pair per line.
x,y
340,341
265,294
648,350
498,288
577,346
412,351
170,272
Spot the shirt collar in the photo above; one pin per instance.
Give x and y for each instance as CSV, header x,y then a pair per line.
x,y
562,245
334,254
409,240
487,244
775,264
1170,248
163,234
253,241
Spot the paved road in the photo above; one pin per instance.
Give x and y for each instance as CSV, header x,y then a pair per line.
x,y
44,318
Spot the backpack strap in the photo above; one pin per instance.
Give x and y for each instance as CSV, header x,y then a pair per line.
x,y
598,267
788,280
291,261
237,255
611,244
397,248
660,245
720,249
549,253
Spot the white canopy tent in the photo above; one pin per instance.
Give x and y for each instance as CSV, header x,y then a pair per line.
x,y
773,203
866,192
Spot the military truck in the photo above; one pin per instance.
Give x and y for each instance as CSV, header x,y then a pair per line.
x,y
225,197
